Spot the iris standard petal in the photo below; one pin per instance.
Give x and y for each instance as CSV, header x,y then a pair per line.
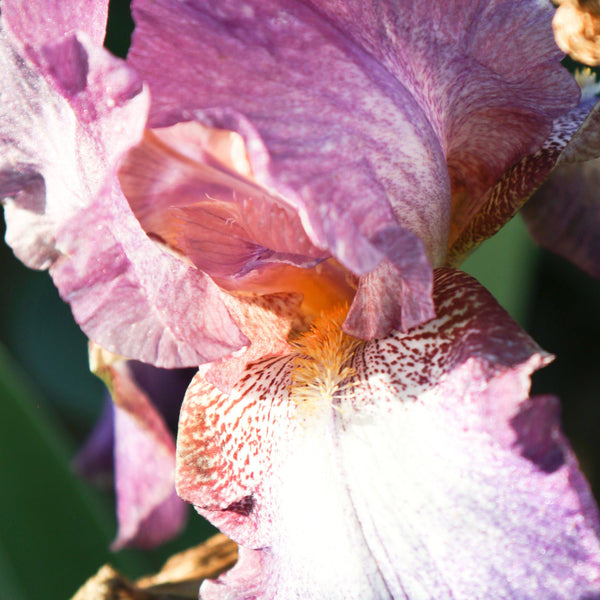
x,y
325,126
364,116
411,467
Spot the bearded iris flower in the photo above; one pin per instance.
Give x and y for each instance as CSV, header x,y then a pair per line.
x,y
254,166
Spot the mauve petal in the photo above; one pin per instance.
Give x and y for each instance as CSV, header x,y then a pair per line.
x,y
325,126
486,73
133,297
55,154
391,297
148,510
39,179
331,118
575,136
424,473
35,22
61,141
564,214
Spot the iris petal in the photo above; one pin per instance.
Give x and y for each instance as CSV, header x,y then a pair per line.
x,y
148,509
425,472
69,113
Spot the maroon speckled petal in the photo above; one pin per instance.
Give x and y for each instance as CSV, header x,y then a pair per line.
x,y
574,137
427,473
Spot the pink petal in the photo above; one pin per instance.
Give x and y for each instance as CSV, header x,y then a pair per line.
x,y
183,191
427,474
134,298
36,22
61,140
148,509
360,122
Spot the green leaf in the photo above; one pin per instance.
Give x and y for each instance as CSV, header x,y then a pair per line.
x,y
53,533
505,264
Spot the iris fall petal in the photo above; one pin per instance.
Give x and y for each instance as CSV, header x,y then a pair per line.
x,y
70,111
414,467
148,509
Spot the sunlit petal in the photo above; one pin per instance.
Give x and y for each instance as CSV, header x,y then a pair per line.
x,y
412,467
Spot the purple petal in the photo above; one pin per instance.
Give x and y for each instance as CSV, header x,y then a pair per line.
x,y
416,468
564,214
95,459
148,509
164,387
61,139
348,151
35,22
360,122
